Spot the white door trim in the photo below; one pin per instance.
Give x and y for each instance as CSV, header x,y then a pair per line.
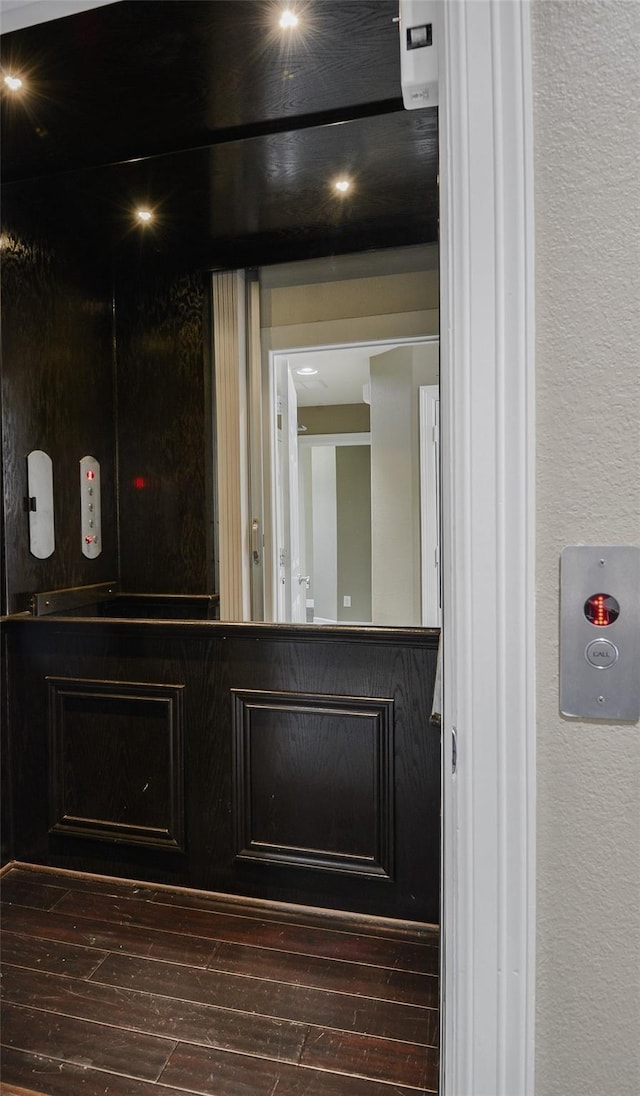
x,y
487,307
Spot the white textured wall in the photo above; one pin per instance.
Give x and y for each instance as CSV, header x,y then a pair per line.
x,y
587,193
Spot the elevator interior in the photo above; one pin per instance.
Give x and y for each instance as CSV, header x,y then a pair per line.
x,y
142,737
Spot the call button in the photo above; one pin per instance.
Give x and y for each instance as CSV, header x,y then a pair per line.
x,y
601,653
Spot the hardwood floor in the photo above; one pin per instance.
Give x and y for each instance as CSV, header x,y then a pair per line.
x,y
113,988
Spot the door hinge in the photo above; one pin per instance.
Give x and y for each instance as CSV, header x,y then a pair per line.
x,y
454,749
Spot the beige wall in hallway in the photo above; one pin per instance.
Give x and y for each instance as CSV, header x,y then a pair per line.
x,y
324,302
587,197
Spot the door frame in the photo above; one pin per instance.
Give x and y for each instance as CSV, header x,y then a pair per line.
x,y
488,467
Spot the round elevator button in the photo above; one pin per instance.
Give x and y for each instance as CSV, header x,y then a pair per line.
x,y
601,653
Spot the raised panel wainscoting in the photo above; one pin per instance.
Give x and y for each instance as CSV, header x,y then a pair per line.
x,y
116,761
291,763
289,749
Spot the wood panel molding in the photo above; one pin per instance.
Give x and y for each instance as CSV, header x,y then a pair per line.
x,y
313,781
116,761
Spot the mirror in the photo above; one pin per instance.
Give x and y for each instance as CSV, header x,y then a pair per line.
x,y
352,430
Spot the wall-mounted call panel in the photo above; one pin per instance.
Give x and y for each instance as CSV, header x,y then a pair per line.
x,y
600,632
90,515
42,538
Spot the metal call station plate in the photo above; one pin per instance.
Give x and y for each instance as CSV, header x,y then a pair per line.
x,y
42,538
90,516
600,632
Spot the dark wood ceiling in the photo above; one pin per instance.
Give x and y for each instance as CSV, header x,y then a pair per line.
x,y
231,131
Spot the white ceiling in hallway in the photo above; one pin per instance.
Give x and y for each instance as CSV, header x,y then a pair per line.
x,y
340,377
342,373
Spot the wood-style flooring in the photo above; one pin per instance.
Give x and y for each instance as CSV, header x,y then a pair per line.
x,y
113,988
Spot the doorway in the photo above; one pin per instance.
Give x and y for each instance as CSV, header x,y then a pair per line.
x,y
356,451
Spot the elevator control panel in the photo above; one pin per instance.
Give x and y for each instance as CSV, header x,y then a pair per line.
x,y
600,632
42,537
90,517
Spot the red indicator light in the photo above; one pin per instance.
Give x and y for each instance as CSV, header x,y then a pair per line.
x,y
139,483
601,610
90,475
89,540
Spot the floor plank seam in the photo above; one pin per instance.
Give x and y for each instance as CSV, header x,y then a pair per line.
x,y
270,981
221,937
309,1025
262,1016
52,909
91,975
107,1073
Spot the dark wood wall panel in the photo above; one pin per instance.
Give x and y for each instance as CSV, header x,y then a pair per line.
x,y
314,778
57,387
163,424
116,768
268,199
390,673
183,73
225,127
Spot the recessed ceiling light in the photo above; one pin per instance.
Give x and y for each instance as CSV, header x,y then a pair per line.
x,y
342,185
306,371
288,19
14,83
144,215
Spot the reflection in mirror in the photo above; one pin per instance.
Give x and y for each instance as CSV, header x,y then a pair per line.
x,y
341,397
351,361
354,497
